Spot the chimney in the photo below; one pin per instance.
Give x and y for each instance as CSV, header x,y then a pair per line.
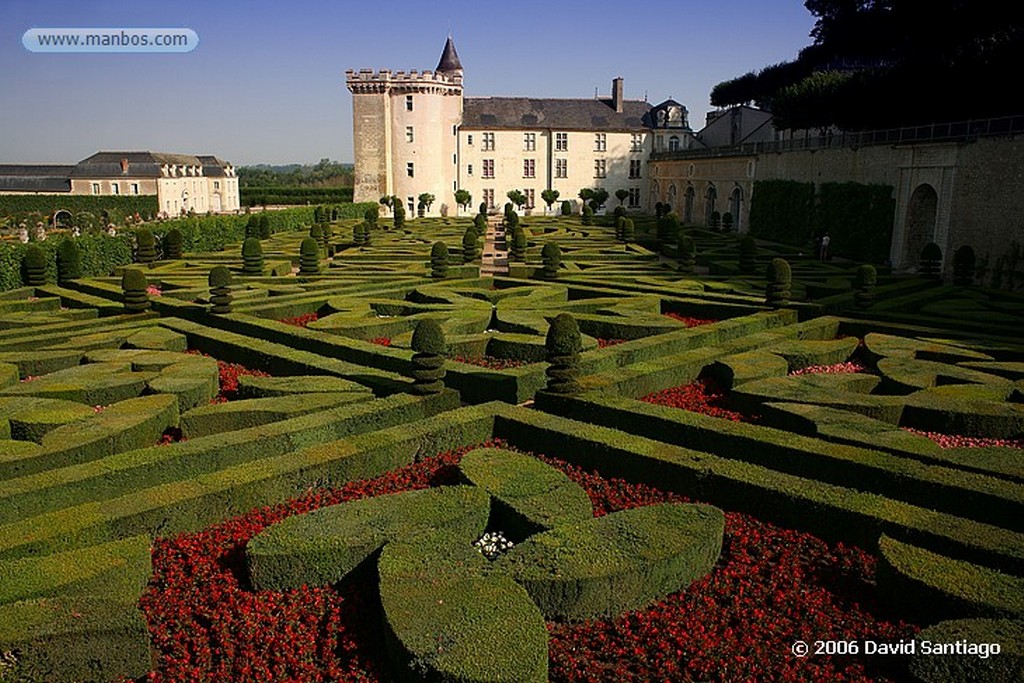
x,y
617,96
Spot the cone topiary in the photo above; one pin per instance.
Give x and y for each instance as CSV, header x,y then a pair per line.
x,y
748,254
780,281
628,231
439,260
252,226
252,256
563,343
931,261
133,288
399,217
69,261
551,255
687,254
964,266
587,217
480,224
33,266
864,284
519,245
172,244
469,250
309,257
428,360
146,252
220,290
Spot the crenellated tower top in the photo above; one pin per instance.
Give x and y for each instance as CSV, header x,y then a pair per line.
x,y
367,81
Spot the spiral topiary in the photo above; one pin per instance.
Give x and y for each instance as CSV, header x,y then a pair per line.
x,y
587,217
428,360
146,252
220,290
309,257
359,234
33,266
551,255
69,261
864,284
469,250
133,288
172,244
931,261
619,224
687,254
964,266
519,245
252,256
439,260
780,281
563,344
748,254
511,220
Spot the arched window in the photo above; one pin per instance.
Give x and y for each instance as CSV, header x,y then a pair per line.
x,y
710,197
688,205
735,206
673,143
672,196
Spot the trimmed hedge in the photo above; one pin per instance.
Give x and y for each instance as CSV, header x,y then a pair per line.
x,y
625,560
75,203
233,415
528,495
32,418
782,211
250,386
323,546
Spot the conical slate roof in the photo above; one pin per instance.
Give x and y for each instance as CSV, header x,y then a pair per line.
x,y
449,58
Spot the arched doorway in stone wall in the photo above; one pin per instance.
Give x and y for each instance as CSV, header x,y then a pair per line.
x,y
710,197
736,206
672,197
688,205
655,194
919,228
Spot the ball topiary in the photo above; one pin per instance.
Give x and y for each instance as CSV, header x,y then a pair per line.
x,y
566,207
931,261
220,290
428,360
864,284
587,217
133,288
780,280
33,266
519,245
563,344
748,254
146,252
687,254
69,261
964,266
439,260
309,257
551,255
172,244
469,250
252,256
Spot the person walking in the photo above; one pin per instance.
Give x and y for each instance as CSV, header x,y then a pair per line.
x,y
825,239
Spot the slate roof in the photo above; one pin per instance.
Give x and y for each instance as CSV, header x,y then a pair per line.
x,y
212,166
449,58
489,113
35,178
140,164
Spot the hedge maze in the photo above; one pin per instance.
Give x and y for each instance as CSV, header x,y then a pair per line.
x,y
347,416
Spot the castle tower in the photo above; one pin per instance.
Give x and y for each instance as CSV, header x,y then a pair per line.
x,y
405,127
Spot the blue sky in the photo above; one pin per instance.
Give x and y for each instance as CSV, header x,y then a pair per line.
x,y
267,82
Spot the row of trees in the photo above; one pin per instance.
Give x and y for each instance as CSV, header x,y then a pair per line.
x,y
595,198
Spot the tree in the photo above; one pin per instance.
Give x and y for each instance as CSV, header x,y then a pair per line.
x,y
622,196
563,344
463,198
517,197
426,199
598,197
550,197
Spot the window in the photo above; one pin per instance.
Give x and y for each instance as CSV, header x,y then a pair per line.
x,y
600,170
489,197
561,142
115,188
469,169
410,202
529,142
634,197
488,168
561,168
135,187
529,168
469,139
408,102
634,168
488,141
529,198
600,142
95,188
636,143
455,130
408,134
410,170
673,143
455,159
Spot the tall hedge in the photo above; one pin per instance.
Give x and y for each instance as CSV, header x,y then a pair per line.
x,y
782,211
48,204
100,255
858,219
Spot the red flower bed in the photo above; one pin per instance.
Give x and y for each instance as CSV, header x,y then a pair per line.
x,y
602,343
300,320
958,441
229,374
771,586
837,368
381,341
689,321
701,396
491,362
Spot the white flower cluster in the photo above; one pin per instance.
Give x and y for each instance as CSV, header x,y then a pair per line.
x,y
493,544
